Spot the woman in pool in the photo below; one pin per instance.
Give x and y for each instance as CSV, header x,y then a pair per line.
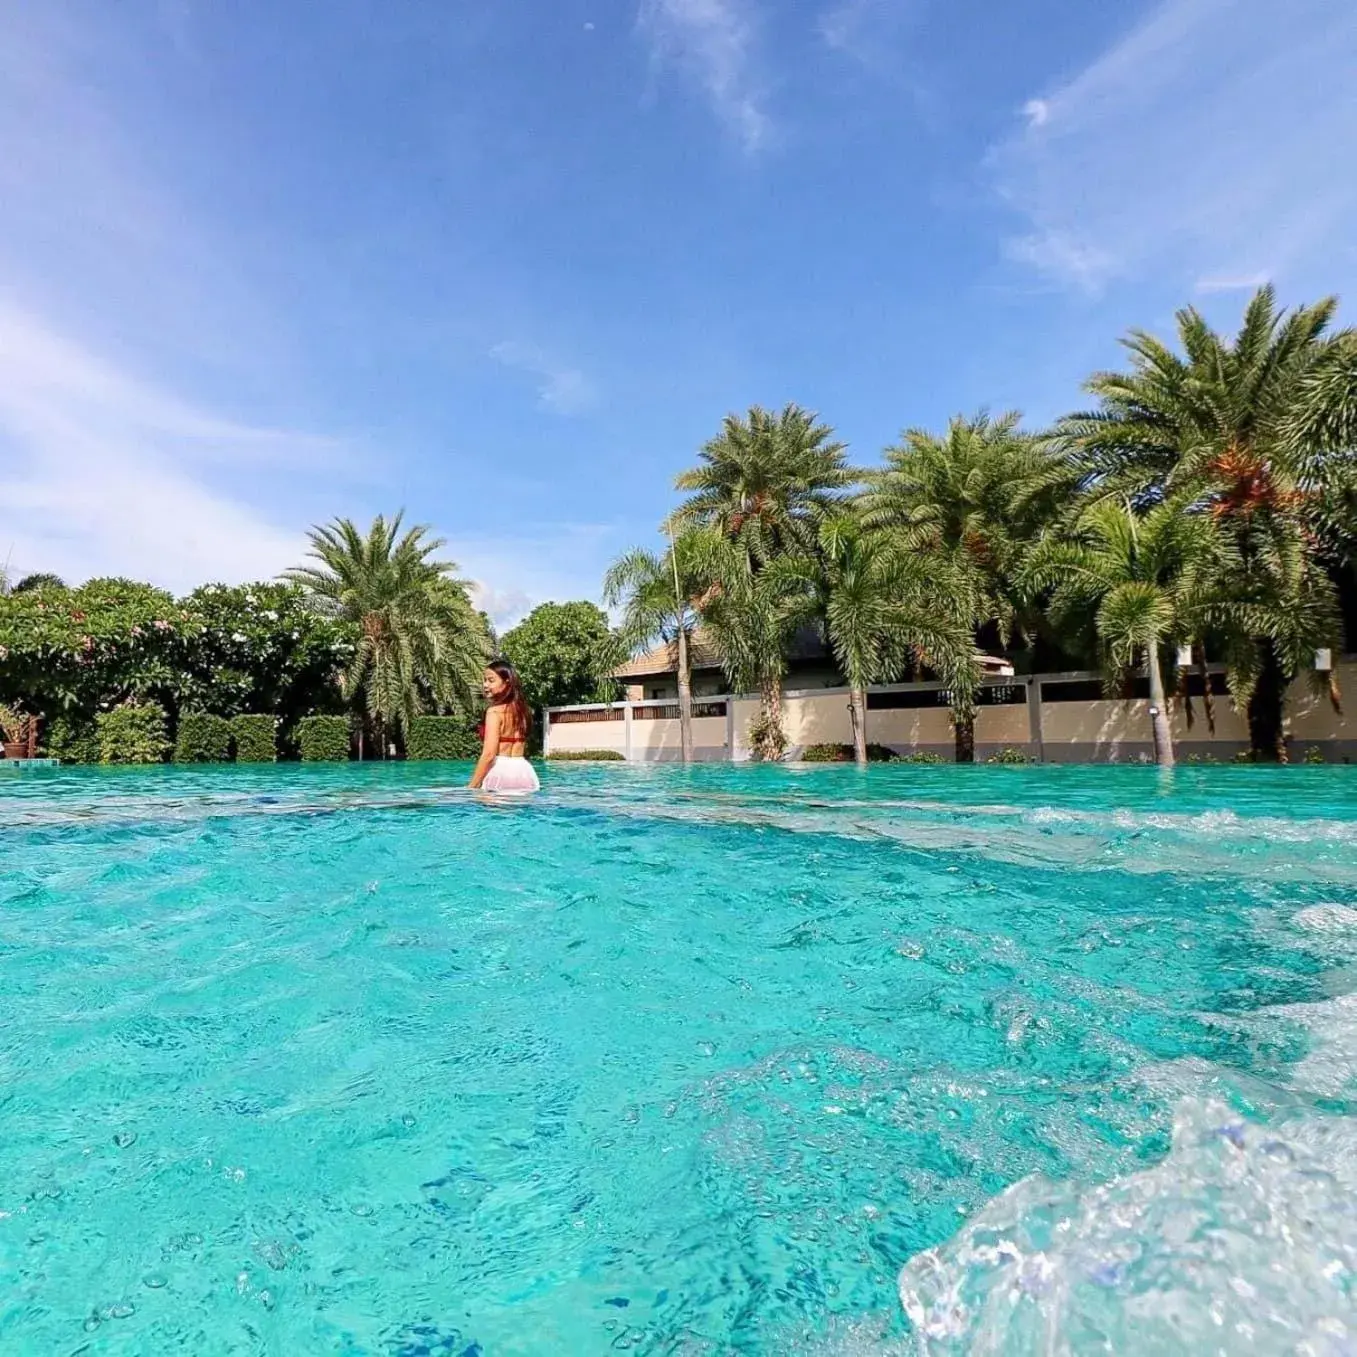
x,y
502,767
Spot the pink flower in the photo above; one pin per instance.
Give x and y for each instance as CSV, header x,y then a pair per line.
x,y
160,624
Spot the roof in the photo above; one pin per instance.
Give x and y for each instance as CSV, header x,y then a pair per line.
x,y
663,659
703,653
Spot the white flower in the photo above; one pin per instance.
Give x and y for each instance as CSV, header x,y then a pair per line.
x,y
270,614
250,598
239,636
296,636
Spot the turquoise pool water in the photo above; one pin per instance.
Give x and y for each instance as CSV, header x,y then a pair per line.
x,y
734,1060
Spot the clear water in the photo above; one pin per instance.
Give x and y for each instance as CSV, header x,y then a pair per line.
x,y
734,1060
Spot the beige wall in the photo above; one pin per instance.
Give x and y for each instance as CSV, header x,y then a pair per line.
x,y
1312,717
1086,730
1120,722
577,735
656,739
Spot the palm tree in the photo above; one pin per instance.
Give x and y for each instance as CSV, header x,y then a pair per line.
x,y
880,607
660,596
420,642
1147,578
971,503
1261,434
763,485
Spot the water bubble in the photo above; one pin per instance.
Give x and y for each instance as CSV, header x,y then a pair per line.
x,y
407,1121
124,1139
361,1209
266,1299
706,1048
123,1309
92,1322
155,1280
272,1252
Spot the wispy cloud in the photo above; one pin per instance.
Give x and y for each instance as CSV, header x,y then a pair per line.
x,y
712,41
104,474
561,388
1248,282
1211,143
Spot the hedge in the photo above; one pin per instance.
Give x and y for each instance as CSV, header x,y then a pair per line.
x,y
323,739
204,737
256,738
133,734
72,740
587,756
441,737
843,753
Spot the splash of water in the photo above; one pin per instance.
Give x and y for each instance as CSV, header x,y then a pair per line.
x,y
1244,1239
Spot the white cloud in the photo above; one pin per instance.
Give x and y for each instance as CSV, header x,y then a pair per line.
x,y
102,474
534,563
712,40
1211,142
562,389
1249,282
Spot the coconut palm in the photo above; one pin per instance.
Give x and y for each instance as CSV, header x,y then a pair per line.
x,y
1147,578
882,610
763,485
1261,434
420,643
660,595
971,503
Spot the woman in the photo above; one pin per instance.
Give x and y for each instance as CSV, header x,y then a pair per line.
x,y
502,767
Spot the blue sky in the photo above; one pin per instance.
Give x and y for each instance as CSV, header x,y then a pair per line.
x,y
508,262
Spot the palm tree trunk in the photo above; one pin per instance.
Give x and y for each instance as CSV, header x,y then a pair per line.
x,y
963,722
770,702
685,696
1267,736
857,707
1159,717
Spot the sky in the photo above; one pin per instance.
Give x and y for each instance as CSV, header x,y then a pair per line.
x,y
505,264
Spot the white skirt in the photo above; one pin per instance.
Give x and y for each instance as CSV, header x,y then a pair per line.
x,y
509,774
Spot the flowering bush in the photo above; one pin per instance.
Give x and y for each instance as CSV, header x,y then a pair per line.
x,y
73,653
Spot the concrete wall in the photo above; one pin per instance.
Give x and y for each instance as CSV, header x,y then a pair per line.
x,y
1094,730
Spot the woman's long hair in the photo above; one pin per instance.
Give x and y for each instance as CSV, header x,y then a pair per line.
x,y
512,697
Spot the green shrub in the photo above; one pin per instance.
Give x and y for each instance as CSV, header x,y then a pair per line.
x,y
204,737
323,739
72,740
923,756
1243,756
133,734
843,753
441,737
1012,756
1202,758
1314,754
256,738
587,756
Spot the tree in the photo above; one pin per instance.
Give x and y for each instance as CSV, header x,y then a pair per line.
x,y
882,608
1259,433
971,503
565,653
762,485
420,644
1148,579
39,580
660,596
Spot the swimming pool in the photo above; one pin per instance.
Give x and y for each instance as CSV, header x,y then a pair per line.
x,y
341,1060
